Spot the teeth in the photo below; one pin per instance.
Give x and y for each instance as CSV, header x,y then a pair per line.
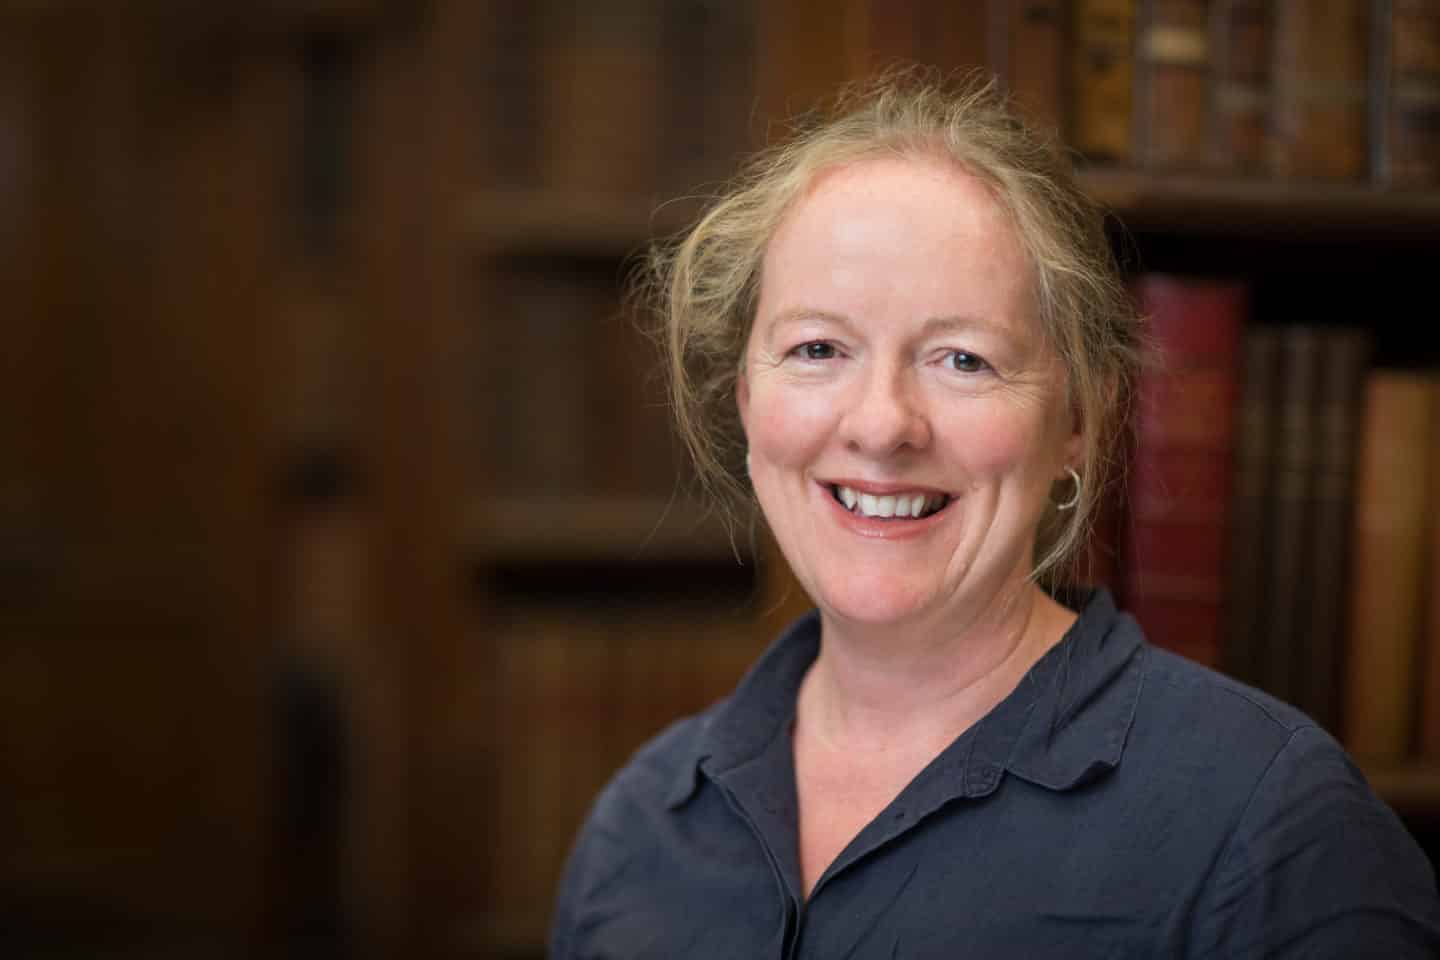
x,y
889,505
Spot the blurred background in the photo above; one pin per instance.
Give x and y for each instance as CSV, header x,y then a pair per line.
x,y
344,547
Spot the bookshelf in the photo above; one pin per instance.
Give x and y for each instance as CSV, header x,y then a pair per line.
x,y
534,207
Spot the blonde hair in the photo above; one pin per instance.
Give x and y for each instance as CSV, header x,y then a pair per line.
x,y
702,288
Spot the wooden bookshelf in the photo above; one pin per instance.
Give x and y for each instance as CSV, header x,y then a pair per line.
x,y
1212,204
620,530
559,223
1410,790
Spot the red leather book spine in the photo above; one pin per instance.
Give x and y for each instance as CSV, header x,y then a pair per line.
x,y
1173,556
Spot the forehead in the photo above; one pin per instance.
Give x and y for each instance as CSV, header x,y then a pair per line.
x,y
895,233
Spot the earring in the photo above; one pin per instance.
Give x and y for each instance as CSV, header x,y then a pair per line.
x,y
1074,497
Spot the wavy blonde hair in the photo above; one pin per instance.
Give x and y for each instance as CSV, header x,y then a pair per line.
x,y
702,287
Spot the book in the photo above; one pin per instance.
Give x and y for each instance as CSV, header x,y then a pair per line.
x,y
1174,62
1035,60
1174,535
1344,356
1428,735
1247,549
1102,70
1410,152
1242,78
707,63
598,141
1287,511
1320,118
1386,588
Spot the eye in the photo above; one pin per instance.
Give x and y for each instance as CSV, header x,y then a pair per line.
x,y
815,350
963,361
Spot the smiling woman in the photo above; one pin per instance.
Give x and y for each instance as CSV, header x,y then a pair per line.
x,y
904,333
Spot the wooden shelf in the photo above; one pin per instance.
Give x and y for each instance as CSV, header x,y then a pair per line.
x,y
540,221
1200,204
561,222
1410,789
620,530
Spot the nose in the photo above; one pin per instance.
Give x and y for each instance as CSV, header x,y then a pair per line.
x,y
885,413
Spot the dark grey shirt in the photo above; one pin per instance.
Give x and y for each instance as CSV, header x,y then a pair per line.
x,y
1121,802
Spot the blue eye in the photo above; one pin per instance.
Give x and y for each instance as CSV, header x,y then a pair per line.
x,y
963,362
816,350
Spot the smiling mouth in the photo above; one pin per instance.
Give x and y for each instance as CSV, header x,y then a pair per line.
x,y
891,506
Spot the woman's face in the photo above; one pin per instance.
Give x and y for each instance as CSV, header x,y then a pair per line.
x,y
906,419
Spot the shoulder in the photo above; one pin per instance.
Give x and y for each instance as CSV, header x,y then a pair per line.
x,y
1198,709
665,765
1308,860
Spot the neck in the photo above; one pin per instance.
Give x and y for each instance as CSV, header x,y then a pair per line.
x,y
918,686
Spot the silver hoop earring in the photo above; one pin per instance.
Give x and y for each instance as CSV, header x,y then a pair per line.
x,y
1074,497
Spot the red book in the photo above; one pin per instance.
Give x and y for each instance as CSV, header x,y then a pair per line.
x,y
1173,554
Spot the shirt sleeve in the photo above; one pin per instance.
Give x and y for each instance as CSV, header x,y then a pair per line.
x,y
1318,867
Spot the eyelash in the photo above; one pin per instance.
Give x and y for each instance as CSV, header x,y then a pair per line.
x,y
977,364
803,351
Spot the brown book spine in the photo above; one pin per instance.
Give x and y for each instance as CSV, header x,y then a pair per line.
x,y
1102,79
1246,548
1174,97
1320,118
708,90
1179,489
1391,503
1344,359
1429,733
539,385
1242,58
1288,518
1036,61
602,104
509,91
1411,153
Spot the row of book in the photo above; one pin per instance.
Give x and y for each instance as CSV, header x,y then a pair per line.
x,y
570,390
1342,90
629,97
577,693
1280,514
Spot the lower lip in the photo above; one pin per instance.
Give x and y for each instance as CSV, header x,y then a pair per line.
x,y
875,528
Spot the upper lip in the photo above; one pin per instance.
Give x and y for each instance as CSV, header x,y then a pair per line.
x,y
885,489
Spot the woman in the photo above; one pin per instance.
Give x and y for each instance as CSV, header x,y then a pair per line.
x,y
905,326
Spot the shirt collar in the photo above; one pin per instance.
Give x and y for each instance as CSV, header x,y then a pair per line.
x,y
1065,724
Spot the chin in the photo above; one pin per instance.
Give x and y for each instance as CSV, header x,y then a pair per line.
x,y
874,601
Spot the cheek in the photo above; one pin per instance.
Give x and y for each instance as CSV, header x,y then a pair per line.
x,y
787,427
1002,439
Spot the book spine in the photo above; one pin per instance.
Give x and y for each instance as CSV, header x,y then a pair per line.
x,y
1247,547
1287,521
1344,359
1179,491
1102,79
599,142
708,86
1320,119
1391,502
1242,84
1036,61
1175,62
1429,731
1411,153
